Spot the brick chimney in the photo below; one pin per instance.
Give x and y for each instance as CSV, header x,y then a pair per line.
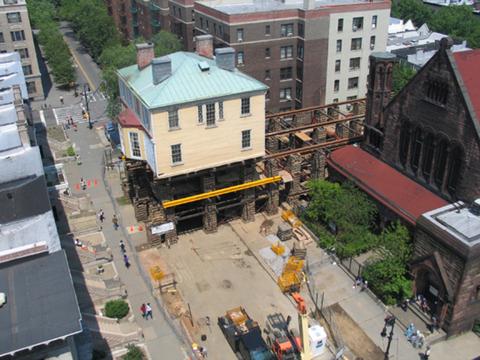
x,y
204,45
145,55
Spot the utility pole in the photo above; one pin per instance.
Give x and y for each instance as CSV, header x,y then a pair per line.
x,y
389,321
85,88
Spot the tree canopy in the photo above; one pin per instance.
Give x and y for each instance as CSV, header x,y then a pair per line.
x,y
402,73
414,10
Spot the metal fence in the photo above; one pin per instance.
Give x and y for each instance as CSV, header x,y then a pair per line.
x,y
352,265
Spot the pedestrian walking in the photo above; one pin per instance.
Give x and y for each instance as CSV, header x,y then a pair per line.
x,y
83,184
203,352
126,261
357,282
122,247
143,310
364,286
426,354
115,222
70,119
61,99
101,215
149,312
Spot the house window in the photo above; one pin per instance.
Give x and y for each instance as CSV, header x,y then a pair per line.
x,y
300,52
355,63
31,87
301,29
336,85
240,58
353,83
267,52
176,153
245,110
135,145
17,35
416,149
286,73
454,171
239,34
210,114
339,46
440,162
357,23
356,44
2,39
145,117
267,29
372,42
337,65
23,53
27,69
14,17
267,75
200,114
428,156
173,122
286,52
286,94
340,25
220,110
246,139
374,21
286,30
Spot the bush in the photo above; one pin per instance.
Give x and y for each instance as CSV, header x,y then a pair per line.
x,y
134,353
116,309
70,151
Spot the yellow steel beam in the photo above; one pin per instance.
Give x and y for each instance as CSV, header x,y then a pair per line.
x,y
230,189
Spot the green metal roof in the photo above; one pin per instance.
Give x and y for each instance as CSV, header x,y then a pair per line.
x,y
188,83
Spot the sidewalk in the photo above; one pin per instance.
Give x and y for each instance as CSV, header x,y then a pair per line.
x,y
160,338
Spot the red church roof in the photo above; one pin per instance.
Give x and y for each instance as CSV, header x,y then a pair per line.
x,y
127,118
468,64
386,185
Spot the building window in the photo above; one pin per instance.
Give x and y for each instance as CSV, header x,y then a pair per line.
x,y
437,91
267,95
372,42
374,21
245,110
456,157
286,52
135,145
267,29
200,114
340,25
201,23
286,94
173,122
404,143
23,53
239,34
286,30
286,73
14,17
355,63
176,153
267,52
210,114
416,149
336,85
337,65
298,91
220,110
246,139
356,44
440,162
300,52
240,58
2,39
10,2
339,46
206,25
18,35
27,69
428,156
215,29
301,29
353,83
299,71
357,23
267,75
31,87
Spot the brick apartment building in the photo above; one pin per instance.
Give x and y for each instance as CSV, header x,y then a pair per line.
x,y
308,53
16,35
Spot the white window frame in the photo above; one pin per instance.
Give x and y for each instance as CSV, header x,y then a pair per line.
x,y
209,112
244,106
176,153
220,110
173,117
200,114
134,138
286,94
240,58
240,35
246,136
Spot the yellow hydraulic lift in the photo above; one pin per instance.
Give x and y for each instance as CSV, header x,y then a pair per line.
x,y
230,189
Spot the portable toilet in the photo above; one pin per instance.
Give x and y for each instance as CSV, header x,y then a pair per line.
x,y
318,339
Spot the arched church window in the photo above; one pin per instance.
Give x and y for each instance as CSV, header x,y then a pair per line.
x,y
417,149
440,162
428,155
404,142
456,159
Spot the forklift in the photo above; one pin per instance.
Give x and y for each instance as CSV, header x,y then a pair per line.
x,y
284,343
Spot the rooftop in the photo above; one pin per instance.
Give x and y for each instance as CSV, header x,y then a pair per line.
x,y
458,220
386,185
127,118
468,63
41,303
188,83
249,6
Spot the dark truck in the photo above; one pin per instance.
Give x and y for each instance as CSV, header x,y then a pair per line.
x,y
244,335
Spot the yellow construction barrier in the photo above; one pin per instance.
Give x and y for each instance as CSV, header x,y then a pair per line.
x,y
156,273
278,249
291,218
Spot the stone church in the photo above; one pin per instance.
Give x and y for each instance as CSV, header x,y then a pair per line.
x,y
420,161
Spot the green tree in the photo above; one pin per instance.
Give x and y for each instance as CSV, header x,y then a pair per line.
x,y
117,309
402,73
134,353
166,43
414,10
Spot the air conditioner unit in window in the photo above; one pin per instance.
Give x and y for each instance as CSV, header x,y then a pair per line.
x,y
372,46
288,97
349,107
374,26
354,28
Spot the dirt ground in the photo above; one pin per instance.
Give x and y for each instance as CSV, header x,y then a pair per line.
x,y
354,337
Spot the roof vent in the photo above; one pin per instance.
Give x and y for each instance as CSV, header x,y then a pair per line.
x,y
475,208
204,66
161,69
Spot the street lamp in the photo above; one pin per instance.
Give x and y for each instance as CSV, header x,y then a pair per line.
x,y
389,321
87,114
